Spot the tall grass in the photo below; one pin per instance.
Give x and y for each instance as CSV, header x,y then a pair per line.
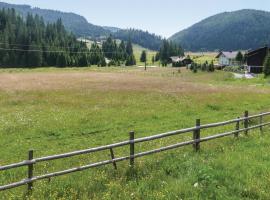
x,y
68,118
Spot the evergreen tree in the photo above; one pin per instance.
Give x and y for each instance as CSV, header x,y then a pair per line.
x,y
131,60
157,57
61,60
143,56
122,51
195,68
153,60
266,69
32,43
83,61
129,49
239,57
167,50
211,67
109,47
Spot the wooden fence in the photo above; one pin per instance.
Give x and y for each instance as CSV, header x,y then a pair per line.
x,y
196,130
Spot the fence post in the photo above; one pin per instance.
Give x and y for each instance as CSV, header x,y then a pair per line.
x,y
197,135
131,141
30,170
261,121
246,122
237,127
112,156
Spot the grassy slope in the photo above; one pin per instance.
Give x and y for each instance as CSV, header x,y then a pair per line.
x,y
76,110
202,58
138,51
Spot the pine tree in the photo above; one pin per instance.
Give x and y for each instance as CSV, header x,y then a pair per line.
x,y
36,43
167,50
122,51
157,56
61,60
153,60
239,57
131,60
266,69
211,67
83,61
143,56
129,49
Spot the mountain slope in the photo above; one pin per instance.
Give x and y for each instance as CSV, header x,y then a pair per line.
x,y
243,29
72,22
82,28
111,29
143,38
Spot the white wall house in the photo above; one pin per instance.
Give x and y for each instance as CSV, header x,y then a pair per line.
x,y
227,58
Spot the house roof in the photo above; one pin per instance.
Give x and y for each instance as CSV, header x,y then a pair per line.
x,y
175,59
256,51
179,59
228,54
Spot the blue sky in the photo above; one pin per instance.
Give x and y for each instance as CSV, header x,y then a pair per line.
x,y
163,17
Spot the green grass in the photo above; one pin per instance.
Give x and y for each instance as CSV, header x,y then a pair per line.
x,y
138,51
202,58
85,114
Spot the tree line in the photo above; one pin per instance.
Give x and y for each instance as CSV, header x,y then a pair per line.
x,y
143,38
167,50
118,54
30,42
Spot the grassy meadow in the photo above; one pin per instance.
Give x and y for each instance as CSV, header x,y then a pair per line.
x,y
149,53
54,110
201,58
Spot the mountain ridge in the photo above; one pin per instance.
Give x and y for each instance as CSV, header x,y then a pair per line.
x,y
82,28
241,29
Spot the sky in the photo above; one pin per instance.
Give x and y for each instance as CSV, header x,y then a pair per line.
x,y
163,17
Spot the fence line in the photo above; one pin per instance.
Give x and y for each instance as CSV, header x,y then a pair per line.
x,y
132,155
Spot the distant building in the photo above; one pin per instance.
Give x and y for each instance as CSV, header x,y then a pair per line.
x,y
175,59
227,58
181,61
255,60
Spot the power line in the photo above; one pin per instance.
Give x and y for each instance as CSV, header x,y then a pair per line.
x,y
28,45
72,52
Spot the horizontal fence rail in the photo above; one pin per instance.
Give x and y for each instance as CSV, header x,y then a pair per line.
x,y
132,155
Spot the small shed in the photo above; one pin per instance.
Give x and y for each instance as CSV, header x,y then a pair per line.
x,y
255,60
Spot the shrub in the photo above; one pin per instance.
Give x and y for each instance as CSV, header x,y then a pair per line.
x,y
266,69
211,67
235,69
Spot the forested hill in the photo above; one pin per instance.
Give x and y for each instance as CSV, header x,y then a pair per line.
x,y
82,28
31,42
72,22
243,29
143,38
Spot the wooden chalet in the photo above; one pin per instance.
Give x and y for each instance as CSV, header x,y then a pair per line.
x,y
255,60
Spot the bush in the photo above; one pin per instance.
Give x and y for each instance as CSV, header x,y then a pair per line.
x,y
211,67
178,64
236,69
195,69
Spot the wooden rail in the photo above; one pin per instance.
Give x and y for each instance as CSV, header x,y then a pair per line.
x,y
196,130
